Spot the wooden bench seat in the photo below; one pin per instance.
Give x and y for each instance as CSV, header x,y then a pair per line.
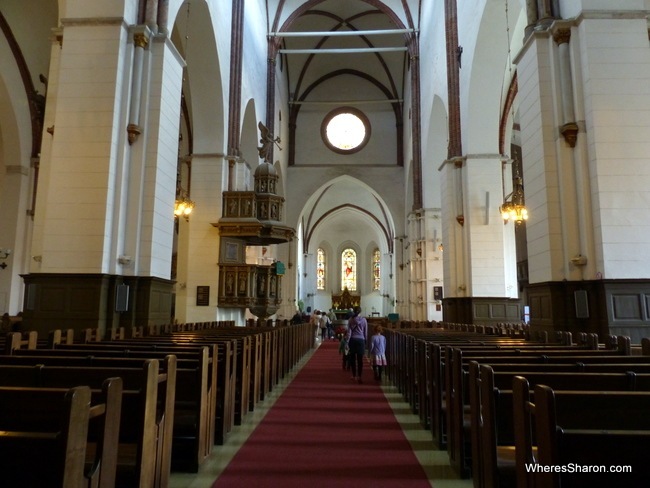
x,y
45,435
145,429
580,430
20,340
492,431
195,396
457,406
222,357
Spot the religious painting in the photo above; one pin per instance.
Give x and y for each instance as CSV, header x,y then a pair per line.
x,y
231,251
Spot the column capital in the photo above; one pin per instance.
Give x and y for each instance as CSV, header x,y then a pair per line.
x,y
562,35
142,35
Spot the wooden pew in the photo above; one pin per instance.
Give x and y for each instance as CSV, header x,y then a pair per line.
x,y
20,340
45,435
223,357
579,431
417,369
456,390
195,395
59,336
492,434
145,430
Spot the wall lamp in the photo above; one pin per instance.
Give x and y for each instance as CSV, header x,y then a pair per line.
x,y
4,254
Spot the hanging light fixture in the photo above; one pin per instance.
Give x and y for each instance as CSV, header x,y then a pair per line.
x,y
515,209
183,206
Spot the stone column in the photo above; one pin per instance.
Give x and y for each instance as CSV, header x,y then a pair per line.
x,y
105,213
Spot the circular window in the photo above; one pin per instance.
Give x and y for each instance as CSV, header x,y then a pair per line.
x,y
345,130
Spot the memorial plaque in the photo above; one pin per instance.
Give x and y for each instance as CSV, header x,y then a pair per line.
x,y
202,296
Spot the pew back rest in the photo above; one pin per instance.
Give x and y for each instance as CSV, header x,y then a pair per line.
x,y
57,420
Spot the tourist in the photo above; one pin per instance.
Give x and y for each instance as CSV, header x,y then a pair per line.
x,y
356,336
378,352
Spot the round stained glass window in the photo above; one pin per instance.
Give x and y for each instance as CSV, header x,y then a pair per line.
x,y
345,130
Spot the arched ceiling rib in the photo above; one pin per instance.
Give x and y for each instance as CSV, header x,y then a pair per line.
x,y
366,35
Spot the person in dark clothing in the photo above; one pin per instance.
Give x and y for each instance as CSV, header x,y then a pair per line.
x,y
356,337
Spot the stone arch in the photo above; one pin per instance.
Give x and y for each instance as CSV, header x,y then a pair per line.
x,y
250,139
489,72
194,35
346,195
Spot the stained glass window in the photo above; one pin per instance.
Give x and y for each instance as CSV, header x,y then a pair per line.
x,y
376,270
349,270
320,269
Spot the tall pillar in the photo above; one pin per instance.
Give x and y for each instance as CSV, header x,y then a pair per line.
x,y
417,266
104,214
14,200
587,236
426,270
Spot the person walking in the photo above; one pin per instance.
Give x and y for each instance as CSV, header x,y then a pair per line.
x,y
356,337
314,321
344,351
330,325
378,352
324,321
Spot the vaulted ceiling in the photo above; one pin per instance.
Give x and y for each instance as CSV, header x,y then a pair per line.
x,y
336,38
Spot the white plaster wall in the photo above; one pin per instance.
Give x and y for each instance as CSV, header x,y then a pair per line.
x,y
485,229
15,182
32,33
433,72
540,176
100,9
83,157
200,247
573,8
302,184
615,64
160,172
451,232
381,147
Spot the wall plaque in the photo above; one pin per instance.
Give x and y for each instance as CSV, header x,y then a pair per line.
x,y
202,296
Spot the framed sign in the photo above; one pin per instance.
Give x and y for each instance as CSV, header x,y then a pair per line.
x,y
231,251
437,292
202,296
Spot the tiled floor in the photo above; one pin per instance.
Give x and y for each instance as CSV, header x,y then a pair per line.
x,y
434,462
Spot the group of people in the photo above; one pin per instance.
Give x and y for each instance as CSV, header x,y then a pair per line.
x,y
353,347
324,323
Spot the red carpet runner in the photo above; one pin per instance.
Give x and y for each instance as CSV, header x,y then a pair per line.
x,y
326,431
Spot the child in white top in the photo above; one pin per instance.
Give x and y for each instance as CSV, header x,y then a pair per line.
x,y
378,352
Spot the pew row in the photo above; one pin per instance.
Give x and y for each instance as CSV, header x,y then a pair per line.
x,y
492,430
584,434
60,437
145,428
195,394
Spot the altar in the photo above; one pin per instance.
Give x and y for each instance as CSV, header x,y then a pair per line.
x,y
345,301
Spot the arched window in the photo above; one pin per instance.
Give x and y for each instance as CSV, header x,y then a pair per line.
x,y
320,269
349,270
376,270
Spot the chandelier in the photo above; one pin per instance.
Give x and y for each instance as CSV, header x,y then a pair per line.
x,y
183,206
515,209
